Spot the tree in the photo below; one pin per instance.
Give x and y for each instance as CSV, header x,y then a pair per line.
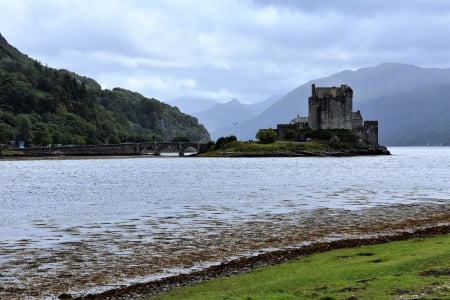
x,y
41,134
222,141
78,140
24,130
113,139
6,133
289,135
180,138
266,136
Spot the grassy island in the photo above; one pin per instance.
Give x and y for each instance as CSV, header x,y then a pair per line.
x,y
288,148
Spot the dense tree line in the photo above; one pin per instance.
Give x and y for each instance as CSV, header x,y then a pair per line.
x,y
43,106
266,136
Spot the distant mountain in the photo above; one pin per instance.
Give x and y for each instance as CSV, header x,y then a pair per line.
x,y
219,117
191,105
41,106
417,117
224,114
368,84
224,119
387,79
258,107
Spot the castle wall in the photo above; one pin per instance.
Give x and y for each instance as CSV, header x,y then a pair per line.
x,y
357,121
292,131
371,132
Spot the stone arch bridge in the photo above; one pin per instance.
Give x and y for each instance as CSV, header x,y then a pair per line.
x,y
173,147
155,148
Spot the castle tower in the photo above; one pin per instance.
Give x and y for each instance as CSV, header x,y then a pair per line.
x,y
330,107
370,133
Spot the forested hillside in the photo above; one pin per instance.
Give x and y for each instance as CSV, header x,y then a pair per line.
x,y
42,106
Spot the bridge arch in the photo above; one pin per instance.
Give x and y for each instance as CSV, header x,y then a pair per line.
x,y
157,148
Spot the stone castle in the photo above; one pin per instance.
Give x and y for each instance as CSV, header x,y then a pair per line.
x,y
332,108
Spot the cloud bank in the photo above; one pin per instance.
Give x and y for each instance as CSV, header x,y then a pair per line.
x,y
225,49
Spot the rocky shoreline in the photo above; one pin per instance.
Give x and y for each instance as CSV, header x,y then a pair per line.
x,y
247,264
348,153
408,221
341,150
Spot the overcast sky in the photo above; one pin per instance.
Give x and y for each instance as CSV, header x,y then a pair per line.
x,y
224,49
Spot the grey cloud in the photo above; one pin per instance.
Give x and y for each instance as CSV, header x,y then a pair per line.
x,y
244,49
361,8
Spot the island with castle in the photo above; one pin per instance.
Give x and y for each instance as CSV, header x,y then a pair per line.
x,y
330,108
331,128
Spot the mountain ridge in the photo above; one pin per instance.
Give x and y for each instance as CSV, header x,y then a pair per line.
x,y
368,84
41,106
416,117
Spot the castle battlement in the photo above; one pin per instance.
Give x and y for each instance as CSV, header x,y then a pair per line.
x,y
335,92
332,108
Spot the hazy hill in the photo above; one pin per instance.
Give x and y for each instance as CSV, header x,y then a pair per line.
x,y
418,117
368,84
259,107
224,114
387,79
192,105
220,118
42,106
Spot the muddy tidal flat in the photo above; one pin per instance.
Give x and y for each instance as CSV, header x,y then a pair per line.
x,y
97,263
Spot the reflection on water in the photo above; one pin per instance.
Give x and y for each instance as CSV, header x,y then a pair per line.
x,y
78,224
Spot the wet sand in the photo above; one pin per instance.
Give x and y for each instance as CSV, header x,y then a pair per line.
x,y
108,266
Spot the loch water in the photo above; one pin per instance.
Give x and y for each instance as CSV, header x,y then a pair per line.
x,y
115,206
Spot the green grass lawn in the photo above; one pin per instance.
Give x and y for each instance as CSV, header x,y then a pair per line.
x,y
412,269
234,148
10,152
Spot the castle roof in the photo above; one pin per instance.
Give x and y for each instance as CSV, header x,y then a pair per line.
x,y
299,120
332,91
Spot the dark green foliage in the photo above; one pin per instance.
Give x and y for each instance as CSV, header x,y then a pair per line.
x,y
211,145
266,136
289,135
179,139
24,130
41,134
43,106
222,141
6,133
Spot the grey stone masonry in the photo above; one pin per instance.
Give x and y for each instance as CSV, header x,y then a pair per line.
x,y
330,107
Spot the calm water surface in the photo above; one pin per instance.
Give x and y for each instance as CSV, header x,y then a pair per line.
x,y
46,205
